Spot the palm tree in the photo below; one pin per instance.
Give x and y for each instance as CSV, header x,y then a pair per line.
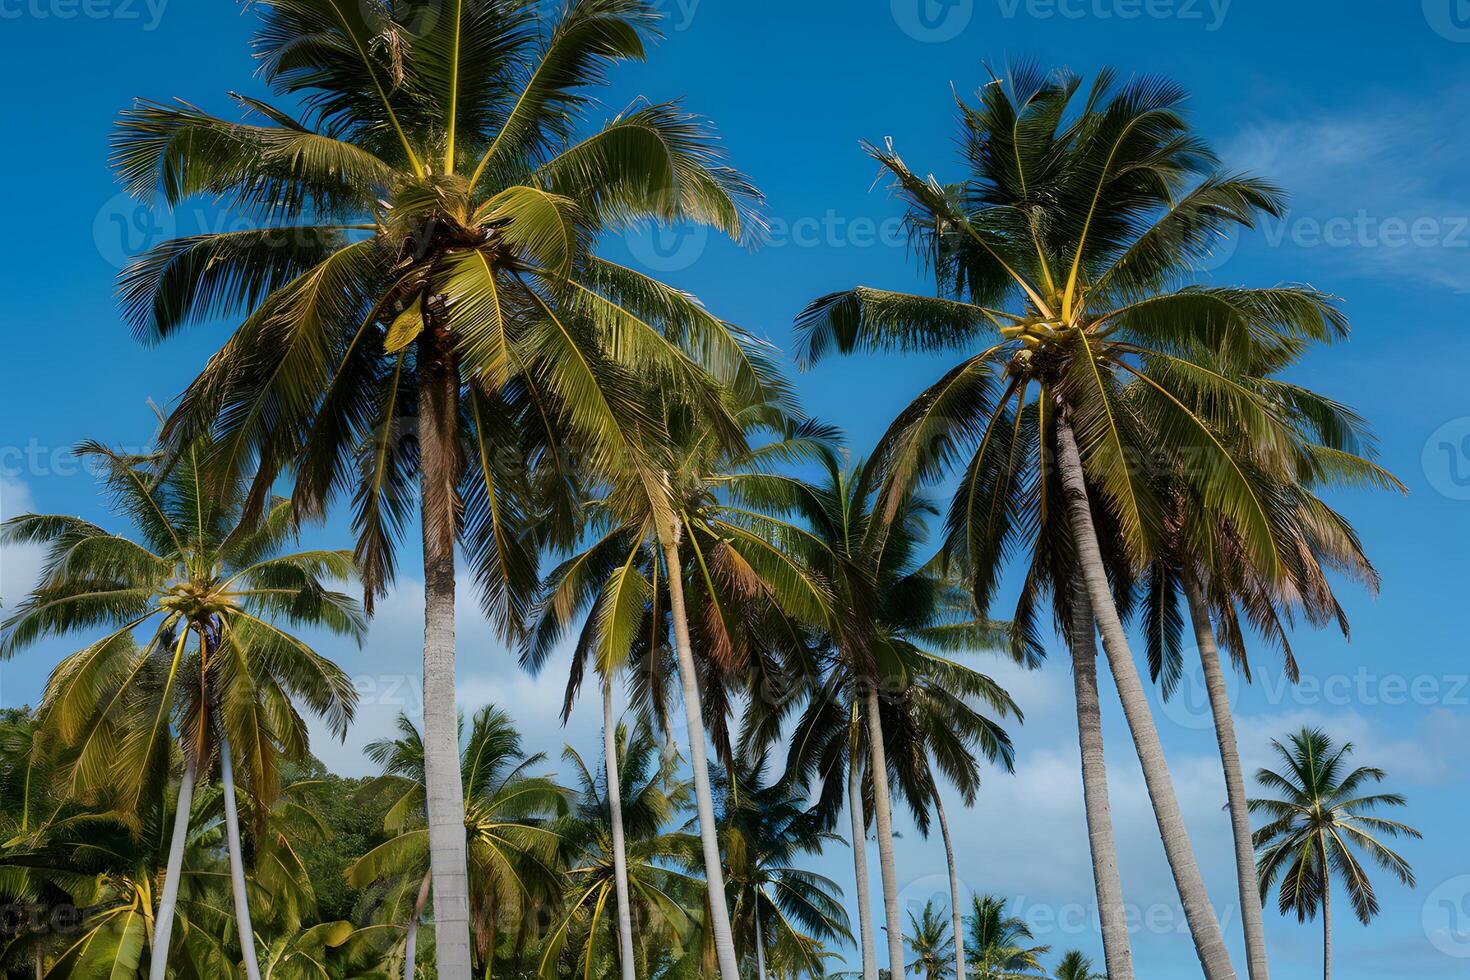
x,y
698,557
200,571
508,818
1076,966
1318,823
781,912
1073,244
998,949
932,944
653,854
420,297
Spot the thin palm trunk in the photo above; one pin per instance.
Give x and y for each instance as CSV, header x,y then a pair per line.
x,y
699,764
1252,920
883,819
957,923
860,853
444,790
237,860
411,934
1204,928
615,812
1111,913
168,901
1326,912
760,945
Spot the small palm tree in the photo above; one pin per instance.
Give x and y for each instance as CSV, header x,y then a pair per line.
x,y
1316,827
1076,966
204,587
508,818
423,311
998,947
931,942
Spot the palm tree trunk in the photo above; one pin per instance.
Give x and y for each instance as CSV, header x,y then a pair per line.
x,y
1209,945
1111,913
237,860
760,945
1326,912
620,852
444,790
168,901
956,918
699,762
411,934
883,818
1252,921
860,853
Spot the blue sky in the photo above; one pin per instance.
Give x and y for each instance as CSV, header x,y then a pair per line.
x,y
1348,104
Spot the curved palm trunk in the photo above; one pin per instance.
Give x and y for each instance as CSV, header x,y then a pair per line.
x,y
620,852
860,855
444,790
957,923
1326,913
168,900
1209,945
699,762
883,818
237,861
1111,914
1252,920
411,934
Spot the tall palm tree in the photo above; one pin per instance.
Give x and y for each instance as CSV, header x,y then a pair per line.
x,y
696,557
204,586
509,819
1076,966
998,949
781,912
420,297
1317,824
1068,257
932,943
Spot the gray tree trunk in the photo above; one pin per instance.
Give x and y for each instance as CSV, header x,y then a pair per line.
x,y
699,763
411,934
957,922
1253,922
760,945
1111,913
860,855
883,819
168,901
444,790
1203,926
1326,913
237,860
620,851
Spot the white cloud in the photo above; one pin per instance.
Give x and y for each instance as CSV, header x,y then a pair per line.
x,y
20,565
